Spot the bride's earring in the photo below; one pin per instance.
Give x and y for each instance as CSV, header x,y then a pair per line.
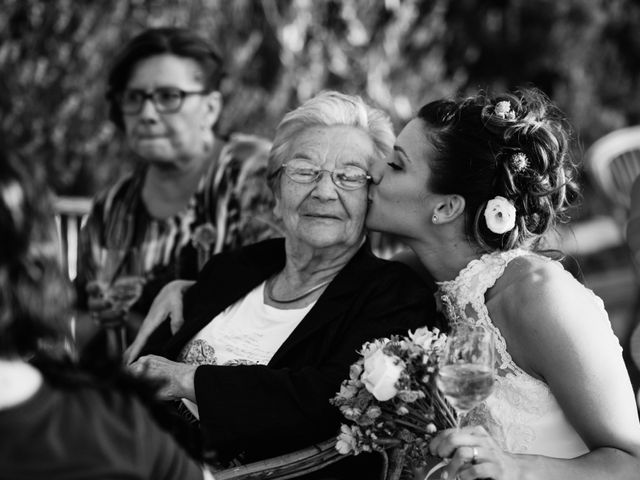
x,y
434,219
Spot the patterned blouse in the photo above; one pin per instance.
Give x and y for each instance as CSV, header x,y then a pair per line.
x,y
231,207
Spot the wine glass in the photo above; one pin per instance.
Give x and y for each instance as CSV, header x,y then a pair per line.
x,y
465,372
466,369
120,281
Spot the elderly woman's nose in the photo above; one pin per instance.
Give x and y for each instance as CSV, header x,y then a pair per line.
x,y
324,187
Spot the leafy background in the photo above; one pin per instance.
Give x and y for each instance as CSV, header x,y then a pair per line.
x,y
399,54
54,56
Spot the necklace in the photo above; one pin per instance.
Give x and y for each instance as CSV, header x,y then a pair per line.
x,y
269,291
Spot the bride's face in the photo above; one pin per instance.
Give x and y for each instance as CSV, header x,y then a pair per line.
x,y
399,196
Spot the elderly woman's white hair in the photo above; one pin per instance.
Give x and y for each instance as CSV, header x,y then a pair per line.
x,y
329,108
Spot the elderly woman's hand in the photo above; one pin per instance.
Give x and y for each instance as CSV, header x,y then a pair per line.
x,y
473,454
176,378
167,304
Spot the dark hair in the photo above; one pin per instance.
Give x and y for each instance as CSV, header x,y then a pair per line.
x,y
157,41
34,293
517,150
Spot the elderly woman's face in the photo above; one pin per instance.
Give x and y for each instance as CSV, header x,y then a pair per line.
x,y
170,138
320,214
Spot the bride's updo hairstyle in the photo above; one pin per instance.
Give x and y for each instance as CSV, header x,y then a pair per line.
x,y
513,146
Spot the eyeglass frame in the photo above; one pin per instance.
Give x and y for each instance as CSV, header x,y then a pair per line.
x,y
283,167
150,95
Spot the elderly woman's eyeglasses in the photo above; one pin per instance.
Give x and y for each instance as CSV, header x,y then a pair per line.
x,y
165,100
350,177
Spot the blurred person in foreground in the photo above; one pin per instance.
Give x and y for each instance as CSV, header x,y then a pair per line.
x,y
472,187
190,195
57,422
270,330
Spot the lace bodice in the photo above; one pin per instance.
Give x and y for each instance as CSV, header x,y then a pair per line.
x,y
521,414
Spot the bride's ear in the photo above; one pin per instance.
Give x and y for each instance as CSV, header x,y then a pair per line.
x,y
449,208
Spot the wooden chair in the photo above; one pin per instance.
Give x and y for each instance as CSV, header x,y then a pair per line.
x,y
70,214
291,465
305,461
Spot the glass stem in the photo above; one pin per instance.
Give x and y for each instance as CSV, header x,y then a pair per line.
x,y
116,334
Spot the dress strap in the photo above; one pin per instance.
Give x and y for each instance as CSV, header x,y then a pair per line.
x,y
464,297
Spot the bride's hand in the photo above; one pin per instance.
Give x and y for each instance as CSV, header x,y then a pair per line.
x,y
167,304
473,454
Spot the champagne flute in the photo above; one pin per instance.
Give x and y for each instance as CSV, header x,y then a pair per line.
x,y
466,369
465,372
120,279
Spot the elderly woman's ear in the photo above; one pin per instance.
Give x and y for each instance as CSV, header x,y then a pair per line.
x,y
277,207
213,103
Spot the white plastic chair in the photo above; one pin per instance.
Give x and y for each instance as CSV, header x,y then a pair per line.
x,y
70,214
613,163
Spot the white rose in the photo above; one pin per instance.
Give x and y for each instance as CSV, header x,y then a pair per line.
x,y
381,373
500,215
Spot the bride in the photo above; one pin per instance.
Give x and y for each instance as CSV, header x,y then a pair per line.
x,y
472,187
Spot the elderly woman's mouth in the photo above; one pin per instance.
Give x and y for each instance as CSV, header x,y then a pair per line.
x,y
323,216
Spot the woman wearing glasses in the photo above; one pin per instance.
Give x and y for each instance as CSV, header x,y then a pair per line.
x,y
182,203
270,330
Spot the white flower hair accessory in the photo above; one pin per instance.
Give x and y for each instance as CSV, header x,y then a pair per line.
x,y
518,162
500,215
504,111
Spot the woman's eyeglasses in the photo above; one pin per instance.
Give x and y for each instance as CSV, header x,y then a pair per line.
x,y
350,177
165,100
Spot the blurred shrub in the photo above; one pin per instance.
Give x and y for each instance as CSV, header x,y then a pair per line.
x,y
54,55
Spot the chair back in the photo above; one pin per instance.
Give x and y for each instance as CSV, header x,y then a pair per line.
x,y
71,213
287,466
613,163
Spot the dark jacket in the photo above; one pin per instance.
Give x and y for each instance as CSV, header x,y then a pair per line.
x,y
269,410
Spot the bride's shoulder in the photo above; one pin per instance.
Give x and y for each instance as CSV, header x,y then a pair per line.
x,y
532,269
534,279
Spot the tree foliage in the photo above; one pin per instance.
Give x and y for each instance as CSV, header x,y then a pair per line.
x,y
54,56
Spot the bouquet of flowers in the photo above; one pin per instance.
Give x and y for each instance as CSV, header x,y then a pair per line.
x,y
391,400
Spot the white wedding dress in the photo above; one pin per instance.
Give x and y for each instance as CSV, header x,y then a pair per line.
x,y
521,414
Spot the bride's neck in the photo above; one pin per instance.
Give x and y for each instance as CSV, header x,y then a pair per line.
x,y
444,259
19,381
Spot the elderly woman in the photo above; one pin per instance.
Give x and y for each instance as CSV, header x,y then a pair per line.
x,y
55,421
183,201
270,330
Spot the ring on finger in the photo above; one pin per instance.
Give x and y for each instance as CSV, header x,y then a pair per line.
x,y
474,456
